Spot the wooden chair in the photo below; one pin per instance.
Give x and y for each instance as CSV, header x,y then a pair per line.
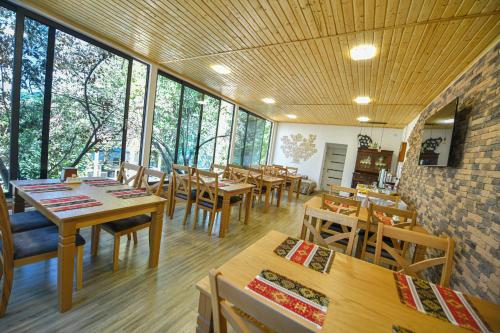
x,y
129,225
27,247
219,169
336,203
241,176
245,312
255,177
292,170
340,191
393,200
182,189
318,223
126,169
376,215
207,197
444,244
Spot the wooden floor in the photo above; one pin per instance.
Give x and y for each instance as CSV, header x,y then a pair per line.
x,y
137,298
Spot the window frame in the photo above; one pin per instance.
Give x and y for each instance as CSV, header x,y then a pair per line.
x,y
248,113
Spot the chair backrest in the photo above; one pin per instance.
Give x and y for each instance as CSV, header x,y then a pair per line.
x,y
381,214
207,187
244,311
133,169
5,233
154,187
444,244
219,168
336,203
271,170
238,174
181,179
255,177
340,190
327,218
292,170
393,200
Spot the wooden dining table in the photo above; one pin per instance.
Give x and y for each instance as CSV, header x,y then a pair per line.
x,y
293,179
268,182
69,221
228,191
363,296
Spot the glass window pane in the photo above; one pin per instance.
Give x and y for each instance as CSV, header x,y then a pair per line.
x,y
208,132
34,56
7,28
239,143
168,94
190,122
257,147
224,133
136,112
265,142
249,140
88,99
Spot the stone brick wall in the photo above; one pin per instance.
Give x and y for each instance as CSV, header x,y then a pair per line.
x,y
462,201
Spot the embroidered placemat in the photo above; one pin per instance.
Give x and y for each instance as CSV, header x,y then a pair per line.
x,y
305,302
341,209
307,254
69,203
35,188
101,182
129,193
439,302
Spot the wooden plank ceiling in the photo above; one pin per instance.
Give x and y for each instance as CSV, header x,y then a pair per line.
x,y
297,51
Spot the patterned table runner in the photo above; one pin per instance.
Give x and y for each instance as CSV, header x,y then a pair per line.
x,y
341,209
439,302
102,182
37,188
305,302
387,219
69,203
129,193
307,254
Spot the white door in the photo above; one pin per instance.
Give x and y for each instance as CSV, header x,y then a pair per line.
x,y
333,165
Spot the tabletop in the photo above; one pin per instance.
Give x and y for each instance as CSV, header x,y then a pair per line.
x,y
363,296
110,203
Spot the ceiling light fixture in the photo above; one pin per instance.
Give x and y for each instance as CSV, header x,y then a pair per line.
x,y
363,119
291,116
362,100
447,121
363,52
268,100
221,69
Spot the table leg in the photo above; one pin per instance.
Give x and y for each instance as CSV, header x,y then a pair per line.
x,y
298,187
18,203
248,204
65,264
280,194
268,198
226,212
204,322
290,189
155,235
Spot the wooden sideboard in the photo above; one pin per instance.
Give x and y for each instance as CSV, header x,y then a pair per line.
x,y
368,164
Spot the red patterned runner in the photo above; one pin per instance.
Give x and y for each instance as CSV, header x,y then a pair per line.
x,y
304,302
129,193
69,203
45,187
341,209
101,182
307,254
439,302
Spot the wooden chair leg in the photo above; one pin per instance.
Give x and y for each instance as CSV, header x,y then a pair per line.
x,y
135,236
79,267
188,210
239,212
116,253
196,209
172,210
6,289
129,237
204,217
211,224
94,240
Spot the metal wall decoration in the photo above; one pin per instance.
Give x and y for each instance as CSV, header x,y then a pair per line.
x,y
297,147
431,144
364,141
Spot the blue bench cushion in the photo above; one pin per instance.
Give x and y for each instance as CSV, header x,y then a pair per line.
x,y
232,200
38,241
127,223
183,196
30,220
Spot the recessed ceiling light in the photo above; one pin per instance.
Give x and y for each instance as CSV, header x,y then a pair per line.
x,y
363,52
363,119
291,116
268,100
362,100
221,69
447,121
202,102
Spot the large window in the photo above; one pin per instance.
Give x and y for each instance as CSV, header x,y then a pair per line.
x,y
252,139
190,127
67,101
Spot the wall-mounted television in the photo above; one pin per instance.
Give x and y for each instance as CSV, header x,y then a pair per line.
x,y
437,136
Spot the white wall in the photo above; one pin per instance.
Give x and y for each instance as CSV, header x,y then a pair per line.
x,y
333,134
